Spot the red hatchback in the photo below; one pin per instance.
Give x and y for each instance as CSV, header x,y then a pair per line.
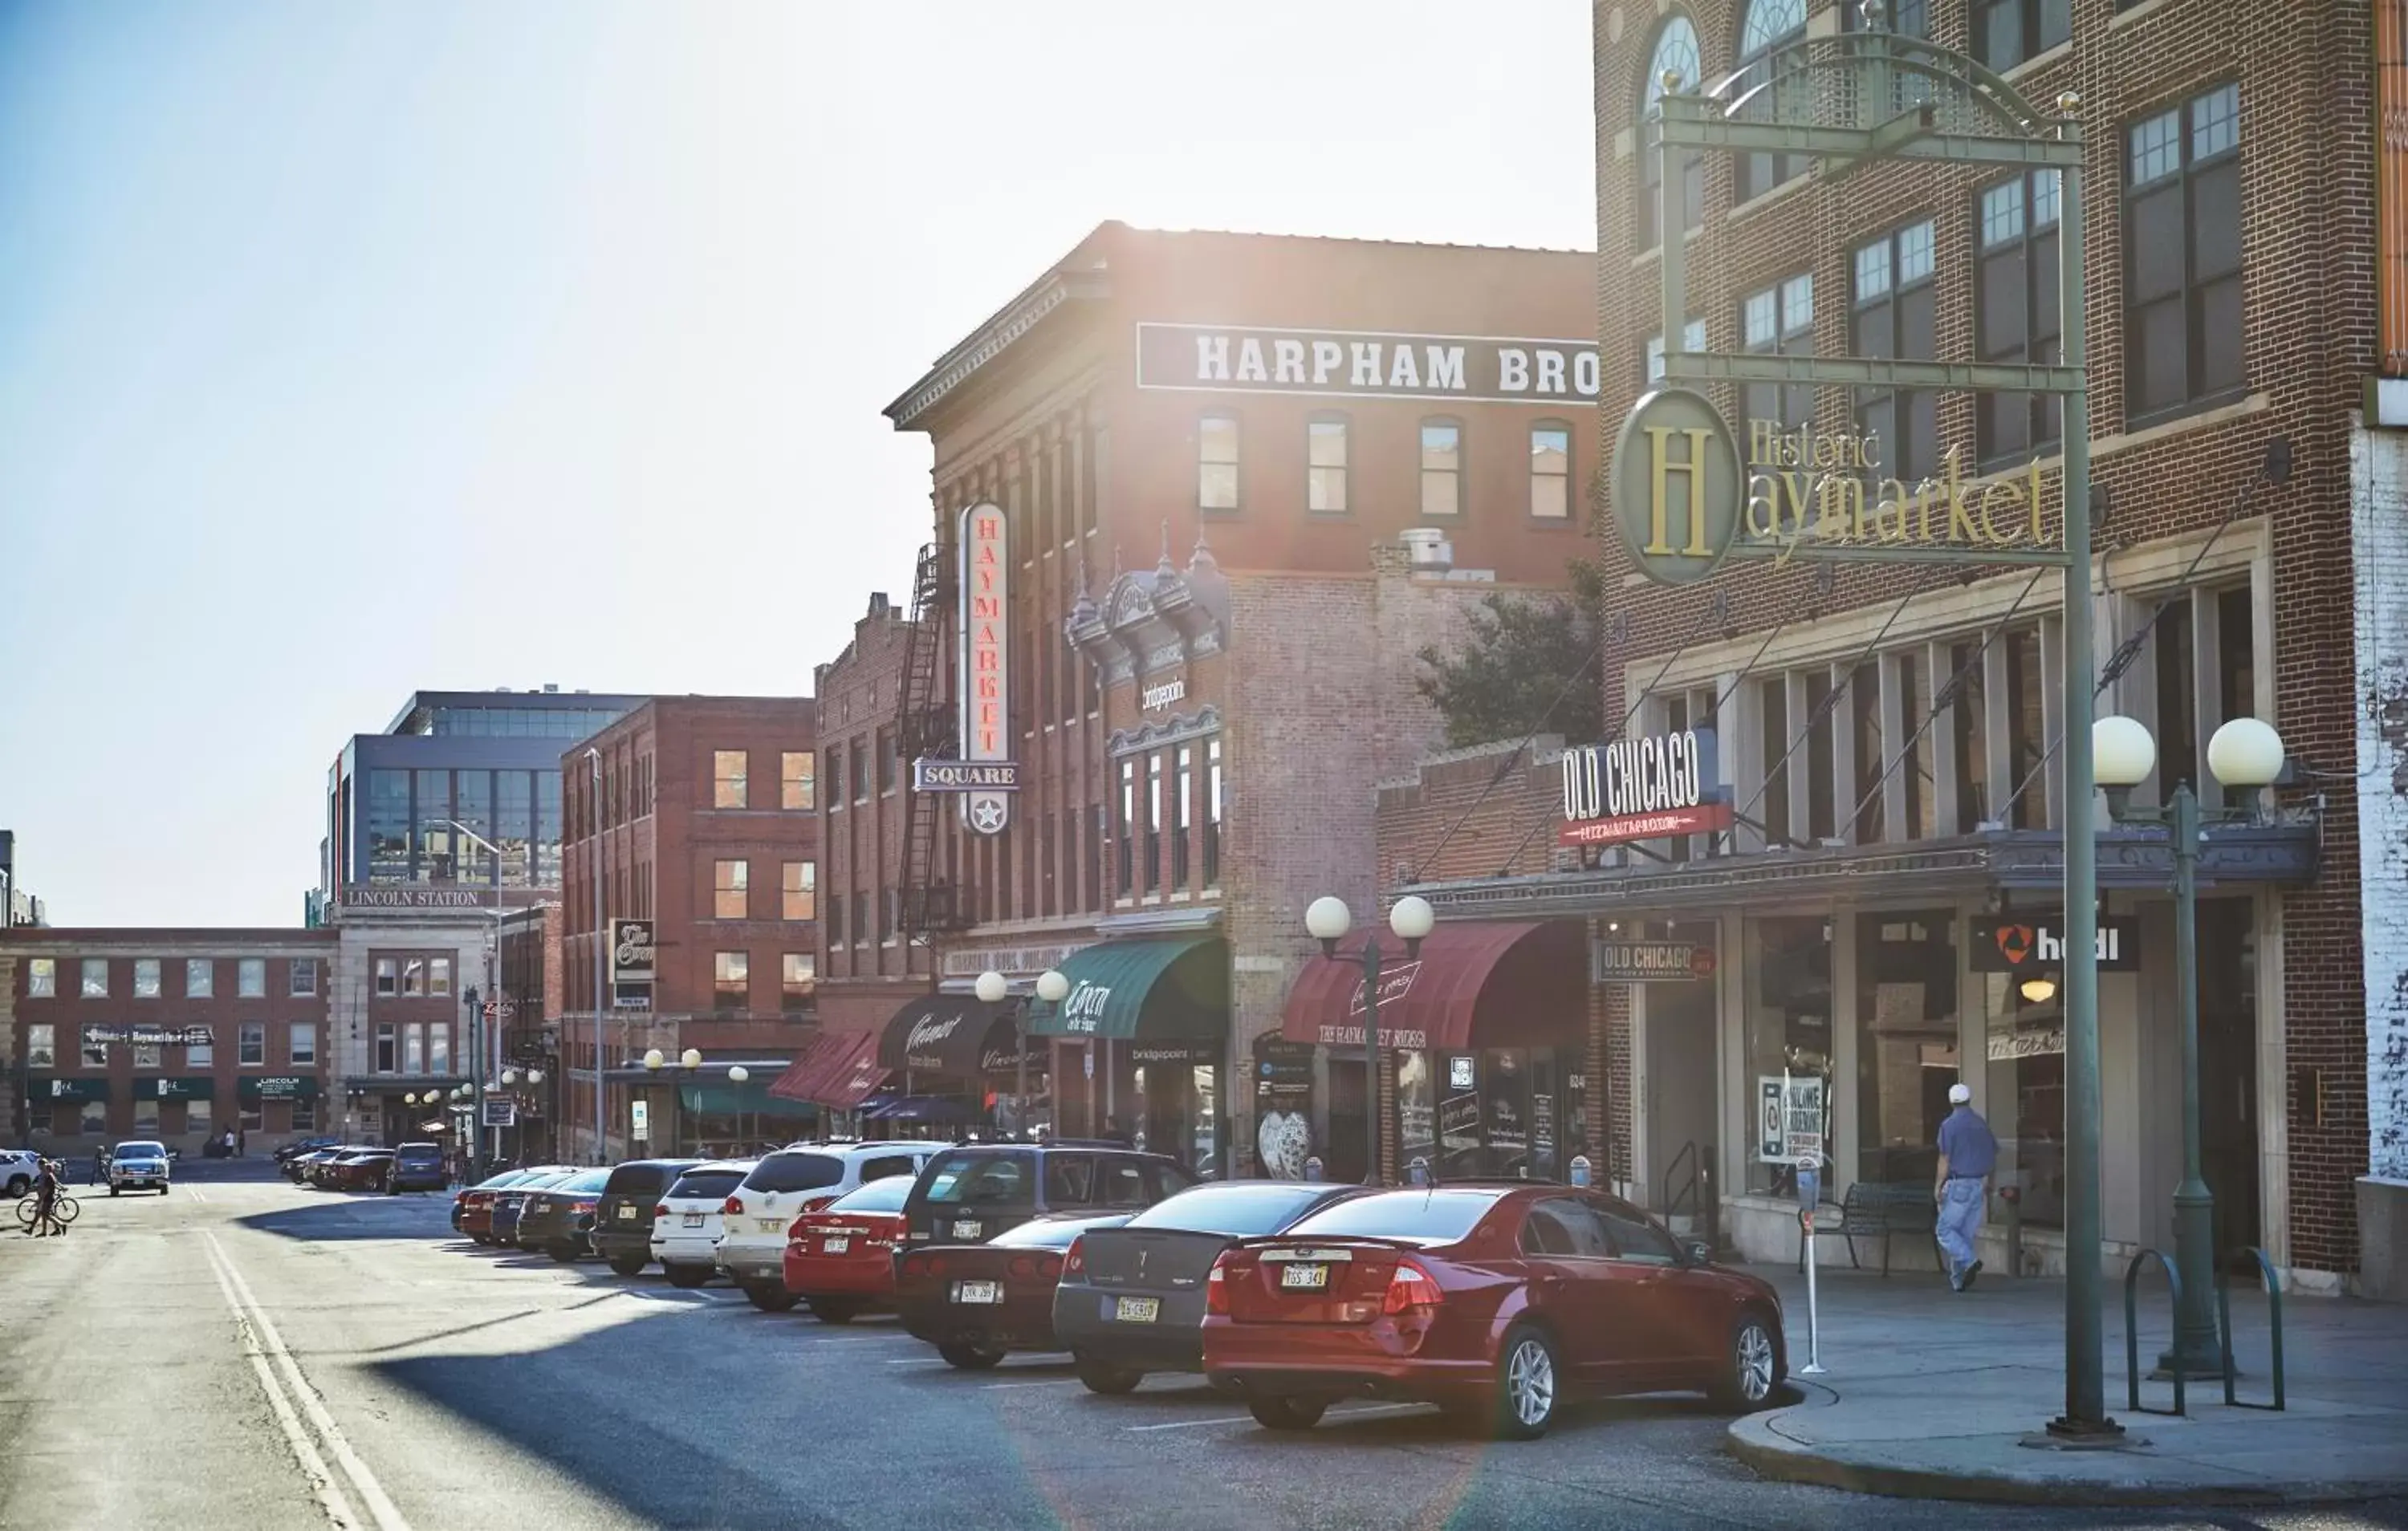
x,y
841,1259
1494,1302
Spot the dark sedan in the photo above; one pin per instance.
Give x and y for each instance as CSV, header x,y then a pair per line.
x,y
976,1303
362,1170
305,1169
472,1210
503,1223
1133,1301
622,1218
558,1219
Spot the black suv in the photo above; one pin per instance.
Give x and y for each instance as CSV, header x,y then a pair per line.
x,y
974,1191
623,1219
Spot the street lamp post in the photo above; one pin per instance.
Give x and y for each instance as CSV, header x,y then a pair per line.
x,y
601,940
2246,755
477,1076
1327,920
992,988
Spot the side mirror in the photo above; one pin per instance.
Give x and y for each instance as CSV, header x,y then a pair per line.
x,y
1700,1252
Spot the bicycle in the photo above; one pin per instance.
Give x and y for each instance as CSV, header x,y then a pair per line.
x,y
63,1208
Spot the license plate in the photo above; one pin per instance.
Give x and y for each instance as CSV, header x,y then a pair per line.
x,y
693,1219
770,1224
968,1227
627,1214
1137,1310
978,1291
1312,1277
835,1246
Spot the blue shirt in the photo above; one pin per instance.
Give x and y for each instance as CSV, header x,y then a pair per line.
x,y
1971,1148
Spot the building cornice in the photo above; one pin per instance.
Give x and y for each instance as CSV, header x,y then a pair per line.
x,y
988,341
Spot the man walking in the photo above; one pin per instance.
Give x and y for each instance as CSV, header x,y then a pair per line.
x,y
1968,1150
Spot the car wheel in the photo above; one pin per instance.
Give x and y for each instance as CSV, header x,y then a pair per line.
x,y
112,1190
770,1298
1528,1384
18,1185
835,1309
628,1265
1109,1381
687,1277
1288,1413
1751,1367
565,1253
964,1356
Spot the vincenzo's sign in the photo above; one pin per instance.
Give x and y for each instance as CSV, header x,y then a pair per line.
x,y
1689,493
1352,363
1643,789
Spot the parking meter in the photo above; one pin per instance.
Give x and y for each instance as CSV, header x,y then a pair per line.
x,y
1418,1171
1580,1169
1810,1186
1313,1167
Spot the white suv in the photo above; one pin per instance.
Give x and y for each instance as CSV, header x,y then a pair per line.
x,y
19,1169
685,1224
782,1187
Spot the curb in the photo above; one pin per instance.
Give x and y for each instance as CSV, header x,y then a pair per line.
x,y
1754,1441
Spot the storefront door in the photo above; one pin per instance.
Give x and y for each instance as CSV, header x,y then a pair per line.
x,y
2228,1065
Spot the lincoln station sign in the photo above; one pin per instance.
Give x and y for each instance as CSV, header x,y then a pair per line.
x,y
1351,364
1686,495
1643,789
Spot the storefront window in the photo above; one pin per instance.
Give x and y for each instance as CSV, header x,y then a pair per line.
x,y
1416,1112
1500,1112
1788,1020
1906,1041
2024,1046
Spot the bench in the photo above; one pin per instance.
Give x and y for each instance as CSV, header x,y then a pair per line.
x,y
1874,1210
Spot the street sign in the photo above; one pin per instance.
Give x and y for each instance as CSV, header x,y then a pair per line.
x,y
1789,1119
501,1111
500,1009
639,1118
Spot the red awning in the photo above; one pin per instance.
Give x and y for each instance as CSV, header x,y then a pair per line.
x,y
1433,1000
839,1070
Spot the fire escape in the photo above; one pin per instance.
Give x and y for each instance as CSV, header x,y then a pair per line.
x,y
930,905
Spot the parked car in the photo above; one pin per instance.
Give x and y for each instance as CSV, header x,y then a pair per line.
x,y
1131,1299
418,1167
19,1169
509,1202
359,1169
286,1152
760,1213
970,1193
140,1165
558,1218
976,1303
301,1169
686,1220
623,1216
472,1210
314,1167
1494,1301
841,1259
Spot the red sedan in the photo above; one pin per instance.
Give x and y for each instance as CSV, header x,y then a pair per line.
x,y
1494,1302
472,1210
976,1303
841,1259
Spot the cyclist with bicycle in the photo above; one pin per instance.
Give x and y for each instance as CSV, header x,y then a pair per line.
x,y
46,1194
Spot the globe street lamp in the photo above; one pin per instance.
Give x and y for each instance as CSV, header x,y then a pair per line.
x,y
1327,920
2246,754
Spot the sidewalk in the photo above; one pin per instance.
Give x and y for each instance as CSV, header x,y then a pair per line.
x,y
1931,1394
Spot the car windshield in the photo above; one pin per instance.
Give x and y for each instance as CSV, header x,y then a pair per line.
x,y
591,1181
140,1151
639,1180
886,1196
542,1182
795,1172
1243,1208
508,1177
1435,1216
1048,1233
706,1185
980,1176
424,1153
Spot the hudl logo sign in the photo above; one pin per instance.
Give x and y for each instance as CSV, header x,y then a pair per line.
x,y
2004,944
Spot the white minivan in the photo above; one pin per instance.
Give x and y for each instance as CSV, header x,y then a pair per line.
x,y
802,1178
686,1224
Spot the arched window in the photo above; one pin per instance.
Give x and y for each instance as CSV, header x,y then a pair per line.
x,y
1763,26
1676,53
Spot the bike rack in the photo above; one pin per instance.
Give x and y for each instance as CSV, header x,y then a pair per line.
x,y
2273,1287
2132,1336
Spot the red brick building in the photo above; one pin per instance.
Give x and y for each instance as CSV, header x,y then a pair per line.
x,y
1887,734
697,814
1243,481
175,1036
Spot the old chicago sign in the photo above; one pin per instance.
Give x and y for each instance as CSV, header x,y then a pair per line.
x,y
1687,493
1475,369
1650,962
985,661
1643,789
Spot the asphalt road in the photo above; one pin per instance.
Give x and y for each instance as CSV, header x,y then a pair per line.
x,y
248,1355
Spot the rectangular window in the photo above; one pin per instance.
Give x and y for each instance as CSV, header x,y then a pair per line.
x,y
797,786
1216,462
197,1119
42,977
438,976
1893,317
1971,707
1324,470
1442,469
250,1045
413,977
797,981
727,788
2016,313
1154,823
1179,830
835,775
1213,813
1773,697
731,980
1648,211
834,921
1906,1041
95,1051
413,1048
251,979
387,1049
148,1056
861,770
2005,32
92,1120
1551,472
439,1048
1864,705
860,916
301,1044
42,1046
200,978
886,760
305,1116
201,1055
146,1116
2181,257
304,980
730,889
145,978
798,890
1693,338
251,1119
1126,837
96,977
2027,737
1780,321
388,977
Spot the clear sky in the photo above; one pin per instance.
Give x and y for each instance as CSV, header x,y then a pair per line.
x,y
352,349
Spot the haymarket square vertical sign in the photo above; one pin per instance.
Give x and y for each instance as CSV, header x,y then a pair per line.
x,y
985,686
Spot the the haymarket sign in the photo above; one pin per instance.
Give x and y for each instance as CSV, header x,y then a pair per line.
x,y
1688,491
985,684
1355,363
151,1035
1643,789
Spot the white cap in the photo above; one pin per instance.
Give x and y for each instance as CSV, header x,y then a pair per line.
x,y
1959,1095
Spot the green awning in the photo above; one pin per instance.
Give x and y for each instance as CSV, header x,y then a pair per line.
x,y
1161,989
276,1087
170,1087
752,1097
66,1090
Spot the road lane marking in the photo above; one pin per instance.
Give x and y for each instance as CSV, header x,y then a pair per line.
x,y
1248,1419
313,1466
194,1192
380,1505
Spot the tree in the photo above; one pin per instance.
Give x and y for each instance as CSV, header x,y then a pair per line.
x,y
1529,666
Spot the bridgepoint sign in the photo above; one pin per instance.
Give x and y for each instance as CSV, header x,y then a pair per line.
x,y
1687,494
